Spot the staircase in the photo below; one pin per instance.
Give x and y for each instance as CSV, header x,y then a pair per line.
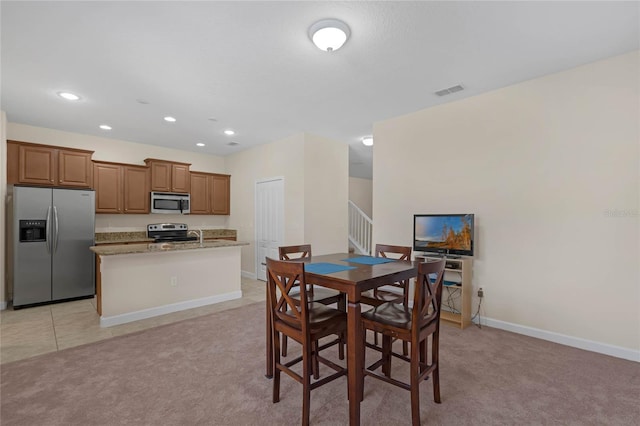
x,y
360,229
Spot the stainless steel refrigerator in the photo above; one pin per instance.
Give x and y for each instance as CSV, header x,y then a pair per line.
x,y
52,232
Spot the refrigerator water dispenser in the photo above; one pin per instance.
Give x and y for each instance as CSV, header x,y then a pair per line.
x,y
33,230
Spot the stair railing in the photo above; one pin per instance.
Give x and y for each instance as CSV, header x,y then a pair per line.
x,y
360,229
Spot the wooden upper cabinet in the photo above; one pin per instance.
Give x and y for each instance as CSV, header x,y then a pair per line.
x,y
199,194
75,169
210,193
108,186
37,165
168,176
137,186
46,165
220,194
121,188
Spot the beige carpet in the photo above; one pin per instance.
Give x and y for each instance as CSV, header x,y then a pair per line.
x,y
209,371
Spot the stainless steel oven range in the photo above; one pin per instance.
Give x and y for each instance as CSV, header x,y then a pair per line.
x,y
163,232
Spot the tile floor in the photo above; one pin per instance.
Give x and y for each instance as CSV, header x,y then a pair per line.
x,y
34,331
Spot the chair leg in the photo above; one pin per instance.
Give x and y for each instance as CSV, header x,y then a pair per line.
x,y
414,371
315,364
284,346
423,355
405,348
276,362
306,383
341,346
386,355
435,375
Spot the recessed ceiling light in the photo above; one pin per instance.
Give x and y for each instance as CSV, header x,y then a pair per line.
x,y
229,132
69,96
105,127
170,119
367,140
200,144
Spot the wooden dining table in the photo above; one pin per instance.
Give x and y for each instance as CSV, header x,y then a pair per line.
x,y
352,282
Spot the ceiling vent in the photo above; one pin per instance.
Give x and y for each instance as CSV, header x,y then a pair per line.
x,y
233,143
450,90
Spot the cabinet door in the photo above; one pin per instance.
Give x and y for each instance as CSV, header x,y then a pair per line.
x,y
160,176
74,169
180,178
220,194
108,186
136,189
37,165
199,194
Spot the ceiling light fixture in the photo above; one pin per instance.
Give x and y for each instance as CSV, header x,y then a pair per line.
x,y
69,96
170,119
367,140
199,144
105,127
229,132
329,34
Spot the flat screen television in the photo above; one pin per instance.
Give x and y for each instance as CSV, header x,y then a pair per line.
x,y
447,234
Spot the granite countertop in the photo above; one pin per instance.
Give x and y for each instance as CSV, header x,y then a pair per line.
x,y
114,249
141,236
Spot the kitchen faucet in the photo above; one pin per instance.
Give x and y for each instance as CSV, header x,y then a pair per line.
x,y
198,232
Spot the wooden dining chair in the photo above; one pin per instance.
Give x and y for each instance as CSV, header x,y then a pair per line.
x,y
315,293
303,321
414,325
379,296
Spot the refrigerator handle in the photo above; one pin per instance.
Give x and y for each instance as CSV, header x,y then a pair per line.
x,y
48,230
55,238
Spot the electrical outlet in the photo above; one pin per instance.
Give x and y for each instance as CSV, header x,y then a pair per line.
x,y
480,292
174,282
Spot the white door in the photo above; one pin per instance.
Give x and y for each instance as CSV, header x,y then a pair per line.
x,y
269,222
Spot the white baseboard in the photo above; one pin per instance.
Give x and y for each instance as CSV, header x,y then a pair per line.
x,y
576,342
246,274
3,306
167,309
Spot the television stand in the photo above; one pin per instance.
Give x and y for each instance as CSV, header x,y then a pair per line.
x,y
457,269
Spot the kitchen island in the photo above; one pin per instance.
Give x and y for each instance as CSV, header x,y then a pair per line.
x,y
138,281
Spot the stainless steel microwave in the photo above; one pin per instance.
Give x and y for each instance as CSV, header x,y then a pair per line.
x,y
169,202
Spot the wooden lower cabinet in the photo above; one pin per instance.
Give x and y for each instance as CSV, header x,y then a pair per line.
x,y
210,193
121,188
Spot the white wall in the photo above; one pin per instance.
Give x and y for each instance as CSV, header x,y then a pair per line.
x,y
132,153
550,168
315,172
3,197
326,189
278,159
360,192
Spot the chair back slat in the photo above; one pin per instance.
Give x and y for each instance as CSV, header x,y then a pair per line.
x,y
294,252
428,293
283,276
393,252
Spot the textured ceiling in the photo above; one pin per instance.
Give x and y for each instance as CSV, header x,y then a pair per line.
x,y
250,66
